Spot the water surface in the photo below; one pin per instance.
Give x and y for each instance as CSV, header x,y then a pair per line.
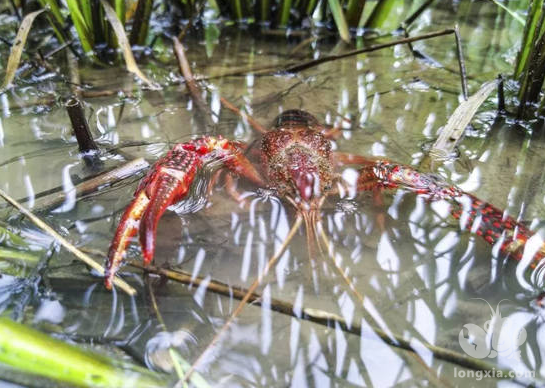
x,y
417,275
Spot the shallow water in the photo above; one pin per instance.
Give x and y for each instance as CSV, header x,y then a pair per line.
x,y
414,274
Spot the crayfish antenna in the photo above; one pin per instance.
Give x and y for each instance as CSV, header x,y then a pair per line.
x,y
331,255
311,219
272,261
311,235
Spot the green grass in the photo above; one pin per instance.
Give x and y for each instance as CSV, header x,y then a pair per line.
x,y
91,28
30,351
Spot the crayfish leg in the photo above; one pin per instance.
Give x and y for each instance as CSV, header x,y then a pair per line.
x,y
495,227
125,230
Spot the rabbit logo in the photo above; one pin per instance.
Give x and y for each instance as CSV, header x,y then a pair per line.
x,y
493,339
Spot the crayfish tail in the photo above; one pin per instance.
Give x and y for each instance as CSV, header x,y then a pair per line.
x,y
125,230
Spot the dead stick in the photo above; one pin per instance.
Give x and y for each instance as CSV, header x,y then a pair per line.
x,y
320,317
87,146
65,243
315,62
185,69
257,70
58,49
119,173
461,62
195,91
501,96
80,125
254,123
243,302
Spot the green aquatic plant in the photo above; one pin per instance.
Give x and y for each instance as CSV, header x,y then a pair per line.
x,y
92,29
344,14
529,66
18,47
29,351
83,15
14,249
140,25
529,69
103,26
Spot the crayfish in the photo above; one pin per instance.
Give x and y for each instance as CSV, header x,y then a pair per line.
x,y
299,166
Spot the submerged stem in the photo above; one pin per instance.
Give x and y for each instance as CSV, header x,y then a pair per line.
x,y
319,317
65,243
247,297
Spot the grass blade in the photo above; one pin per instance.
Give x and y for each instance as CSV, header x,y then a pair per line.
x,y
140,23
263,10
124,44
354,9
55,18
17,47
33,352
458,121
120,10
512,13
82,28
19,256
12,240
284,14
87,13
532,77
54,8
534,15
340,21
380,13
311,7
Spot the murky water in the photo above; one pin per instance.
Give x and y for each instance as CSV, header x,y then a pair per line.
x,y
399,270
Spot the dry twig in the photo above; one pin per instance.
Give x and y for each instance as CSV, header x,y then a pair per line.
x,y
65,243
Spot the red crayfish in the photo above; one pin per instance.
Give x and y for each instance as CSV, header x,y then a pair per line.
x,y
298,164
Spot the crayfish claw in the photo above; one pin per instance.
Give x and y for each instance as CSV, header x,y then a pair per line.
x,y
126,229
167,190
161,188
167,183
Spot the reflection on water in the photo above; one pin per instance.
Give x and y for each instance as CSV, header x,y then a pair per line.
x,y
386,270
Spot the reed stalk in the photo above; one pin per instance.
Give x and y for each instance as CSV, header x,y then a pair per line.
x,y
529,36
340,21
83,29
530,64
380,14
354,10
140,24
